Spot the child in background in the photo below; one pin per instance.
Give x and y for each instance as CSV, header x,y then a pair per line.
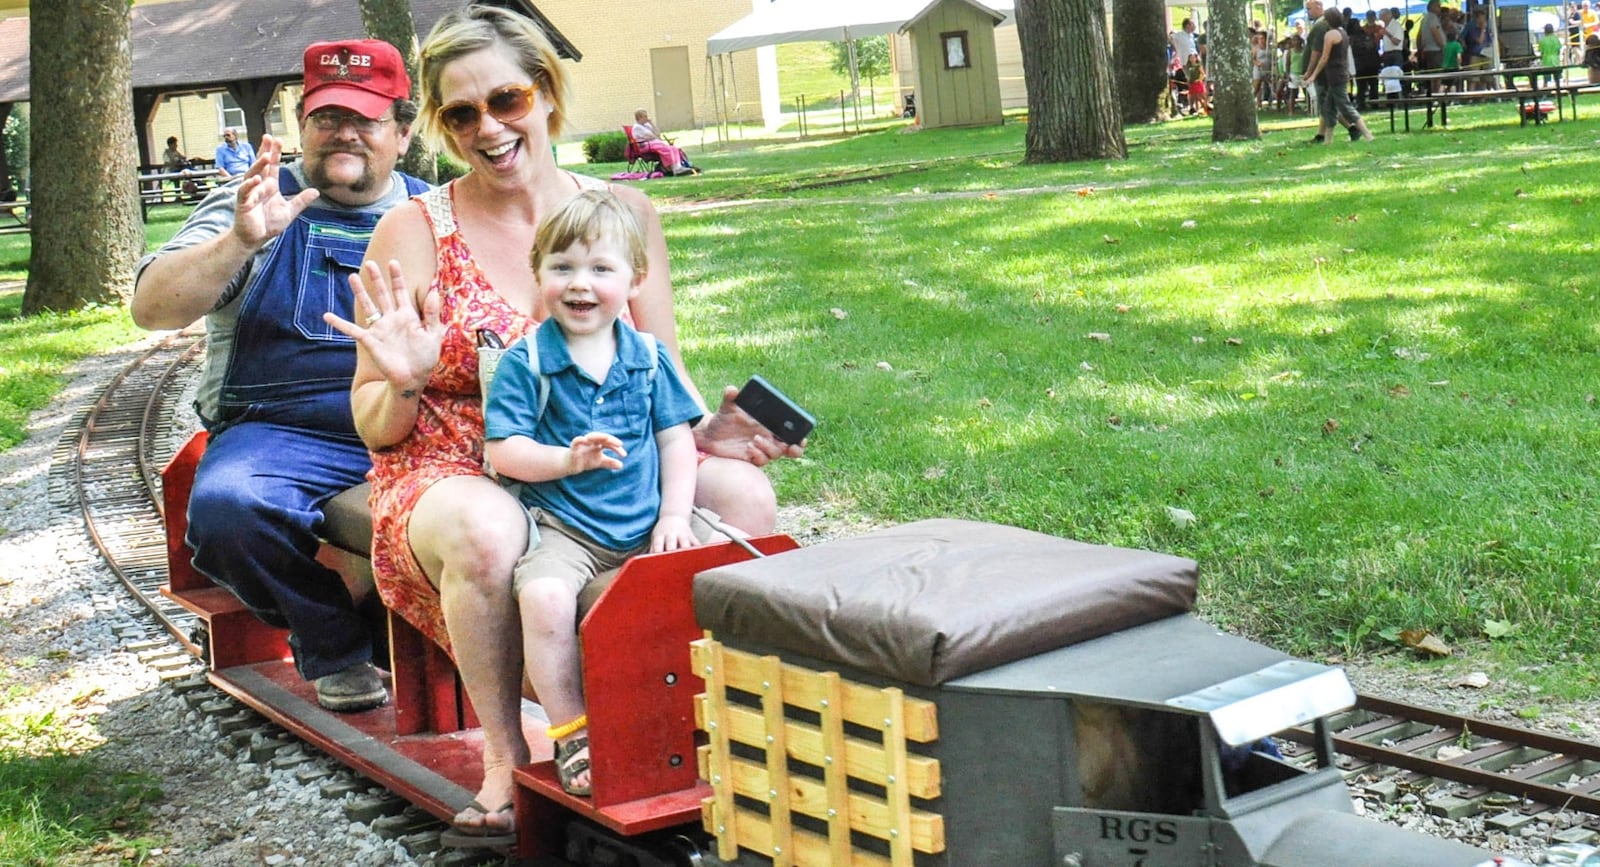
x,y
1550,53
1199,101
1452,59
1261,68
1297,69
599,428
1591,57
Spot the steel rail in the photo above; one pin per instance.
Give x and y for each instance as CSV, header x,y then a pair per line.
x,y
121,509
1505,746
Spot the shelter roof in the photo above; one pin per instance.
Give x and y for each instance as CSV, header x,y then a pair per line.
x,y
205,44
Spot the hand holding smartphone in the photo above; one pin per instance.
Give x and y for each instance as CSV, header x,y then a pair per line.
x,y
775,411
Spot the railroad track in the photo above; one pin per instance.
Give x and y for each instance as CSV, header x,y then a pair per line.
x,y
1455,765
1459,766
110,463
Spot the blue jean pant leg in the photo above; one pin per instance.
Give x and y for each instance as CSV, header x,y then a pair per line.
x,y
254,515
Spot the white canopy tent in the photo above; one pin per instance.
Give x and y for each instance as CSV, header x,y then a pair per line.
x,y
782,21
844,21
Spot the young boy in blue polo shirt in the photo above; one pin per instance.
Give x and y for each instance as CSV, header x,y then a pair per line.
x,y
598,422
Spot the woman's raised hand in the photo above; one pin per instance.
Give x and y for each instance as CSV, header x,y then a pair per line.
x,y
401,342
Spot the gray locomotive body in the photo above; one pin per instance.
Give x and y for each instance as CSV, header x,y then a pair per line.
x,y
1013,699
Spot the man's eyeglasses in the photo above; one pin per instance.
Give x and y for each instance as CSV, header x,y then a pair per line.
x,y
506,104
331,121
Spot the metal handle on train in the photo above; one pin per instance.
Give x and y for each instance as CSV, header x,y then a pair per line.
x,y
734,535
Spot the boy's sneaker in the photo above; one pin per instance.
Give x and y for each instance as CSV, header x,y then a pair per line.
x,y
356,688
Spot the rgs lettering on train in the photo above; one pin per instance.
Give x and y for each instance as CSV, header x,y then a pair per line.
x,y
1138,830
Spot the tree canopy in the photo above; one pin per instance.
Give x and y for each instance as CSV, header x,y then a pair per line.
x,y
872,57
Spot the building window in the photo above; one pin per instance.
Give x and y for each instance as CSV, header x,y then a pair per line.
x,y
955,50
275,122
232,114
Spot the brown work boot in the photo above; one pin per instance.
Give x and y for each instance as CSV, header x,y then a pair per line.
x,y
357,688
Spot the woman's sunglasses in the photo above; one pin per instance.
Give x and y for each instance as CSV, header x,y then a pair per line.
x,y
506,104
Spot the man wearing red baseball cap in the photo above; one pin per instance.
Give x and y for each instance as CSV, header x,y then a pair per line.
x,y
262,259
363,75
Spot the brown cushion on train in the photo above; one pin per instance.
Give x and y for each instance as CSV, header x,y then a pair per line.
x,y
348,521
934,600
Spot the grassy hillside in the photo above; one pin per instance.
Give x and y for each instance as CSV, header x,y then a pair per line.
x,y
806,69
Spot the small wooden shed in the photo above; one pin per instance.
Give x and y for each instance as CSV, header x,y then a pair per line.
x,y
958,78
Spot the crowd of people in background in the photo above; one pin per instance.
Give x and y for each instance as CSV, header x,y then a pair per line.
x,y
1383,46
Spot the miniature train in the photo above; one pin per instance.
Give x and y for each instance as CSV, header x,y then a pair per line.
x,y
940,693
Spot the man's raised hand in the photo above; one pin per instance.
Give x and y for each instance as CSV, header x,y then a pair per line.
x,y
261,212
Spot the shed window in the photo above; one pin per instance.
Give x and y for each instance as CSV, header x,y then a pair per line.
x,y
955,50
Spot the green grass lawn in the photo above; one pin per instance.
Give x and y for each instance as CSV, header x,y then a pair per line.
x,y
58,805
35,351
1368,372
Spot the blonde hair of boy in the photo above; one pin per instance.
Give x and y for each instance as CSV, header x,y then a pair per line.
x,y
588,217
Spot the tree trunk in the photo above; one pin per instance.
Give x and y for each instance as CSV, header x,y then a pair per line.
x,y
390,20
1139,50
87,234
1072,97
1228,64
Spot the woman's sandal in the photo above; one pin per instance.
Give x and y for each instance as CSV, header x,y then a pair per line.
x,y
572,759
471,828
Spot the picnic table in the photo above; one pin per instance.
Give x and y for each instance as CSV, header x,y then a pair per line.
x,y
1536,91
19,213
1437,91
153,189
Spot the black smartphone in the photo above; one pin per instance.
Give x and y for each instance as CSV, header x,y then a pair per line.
x,y
776,412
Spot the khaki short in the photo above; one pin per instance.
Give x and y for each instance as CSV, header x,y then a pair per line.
x,y
556,550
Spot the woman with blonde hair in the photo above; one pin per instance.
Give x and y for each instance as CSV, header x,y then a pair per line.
x,y
456,271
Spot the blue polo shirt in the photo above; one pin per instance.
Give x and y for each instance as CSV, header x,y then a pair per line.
x,y
235,160
615,508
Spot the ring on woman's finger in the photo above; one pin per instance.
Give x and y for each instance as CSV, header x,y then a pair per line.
x,y
371,320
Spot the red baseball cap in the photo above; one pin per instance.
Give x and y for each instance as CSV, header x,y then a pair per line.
x,y
365,76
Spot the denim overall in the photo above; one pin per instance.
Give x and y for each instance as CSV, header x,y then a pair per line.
x,y
285,442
